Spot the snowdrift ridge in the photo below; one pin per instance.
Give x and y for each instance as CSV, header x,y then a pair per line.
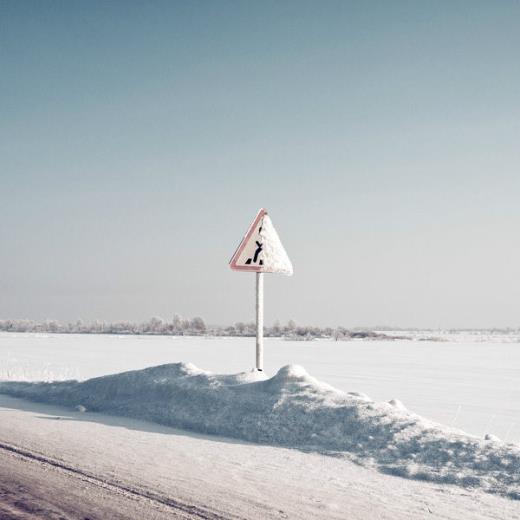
x,y
293,409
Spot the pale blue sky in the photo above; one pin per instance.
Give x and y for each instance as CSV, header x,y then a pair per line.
x,y
138,140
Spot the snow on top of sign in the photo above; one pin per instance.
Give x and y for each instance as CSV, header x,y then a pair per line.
x,y
274,256
261,249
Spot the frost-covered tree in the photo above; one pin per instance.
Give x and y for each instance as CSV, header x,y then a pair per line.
x,y
197,325
177,323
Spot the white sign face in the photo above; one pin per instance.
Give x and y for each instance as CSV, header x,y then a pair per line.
x,y
261,250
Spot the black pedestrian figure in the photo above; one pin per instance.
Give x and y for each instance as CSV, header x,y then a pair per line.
x,y
257,252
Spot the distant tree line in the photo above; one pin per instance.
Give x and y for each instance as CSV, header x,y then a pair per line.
x,y
179,326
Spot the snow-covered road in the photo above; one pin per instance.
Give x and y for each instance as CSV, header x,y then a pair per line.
x,y
33,487
106,462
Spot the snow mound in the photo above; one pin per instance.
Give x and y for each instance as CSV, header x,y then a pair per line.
x,y
397,404
293,409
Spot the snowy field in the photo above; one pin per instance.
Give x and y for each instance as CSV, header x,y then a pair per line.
x,y
440,413
471,383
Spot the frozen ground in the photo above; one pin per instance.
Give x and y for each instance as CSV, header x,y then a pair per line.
x,y
214,477
120,468
293,409
468,384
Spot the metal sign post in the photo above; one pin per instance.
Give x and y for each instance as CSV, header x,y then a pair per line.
x,y
259,321
261,251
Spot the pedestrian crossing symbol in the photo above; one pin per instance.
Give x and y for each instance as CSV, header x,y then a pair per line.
x,y
261,250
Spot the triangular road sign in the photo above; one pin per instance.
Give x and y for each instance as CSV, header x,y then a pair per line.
x,y
261,250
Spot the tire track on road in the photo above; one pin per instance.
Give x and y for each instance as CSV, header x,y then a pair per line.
x,y
177,506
